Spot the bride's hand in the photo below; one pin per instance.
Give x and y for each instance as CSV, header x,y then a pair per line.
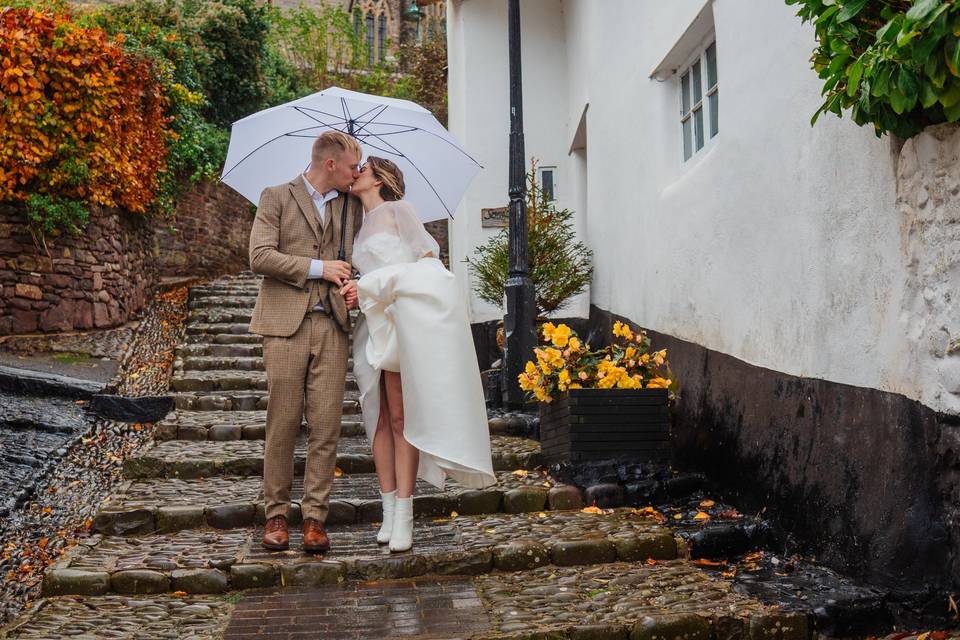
x,y
350,294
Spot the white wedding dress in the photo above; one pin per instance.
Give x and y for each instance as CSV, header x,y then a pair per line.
x,y
414,321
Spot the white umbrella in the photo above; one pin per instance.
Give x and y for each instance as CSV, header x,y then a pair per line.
x,y
273,145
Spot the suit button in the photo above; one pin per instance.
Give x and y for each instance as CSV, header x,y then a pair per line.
x,y
316,246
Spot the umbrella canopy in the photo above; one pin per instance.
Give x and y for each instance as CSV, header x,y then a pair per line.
x,y
273,145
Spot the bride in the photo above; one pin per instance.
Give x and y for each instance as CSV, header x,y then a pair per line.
x,y
413,357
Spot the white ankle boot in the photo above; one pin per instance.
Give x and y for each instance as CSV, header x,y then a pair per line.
x,y
389,500
401,538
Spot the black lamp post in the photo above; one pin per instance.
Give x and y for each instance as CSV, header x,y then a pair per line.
x,y
521,337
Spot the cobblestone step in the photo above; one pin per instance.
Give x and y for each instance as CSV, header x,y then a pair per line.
x,y
225,301
223,338
212,350
212,330
171,504
242,401
214,561
229,380
219,315
247,362
185,459
231,425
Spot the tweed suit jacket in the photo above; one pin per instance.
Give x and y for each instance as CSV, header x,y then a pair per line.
x,y
285,237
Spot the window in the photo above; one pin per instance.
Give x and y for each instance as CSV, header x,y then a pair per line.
x,y
699,101
369,26
357,22
548,182
382,36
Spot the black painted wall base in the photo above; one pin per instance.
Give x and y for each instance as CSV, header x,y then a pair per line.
x,y
868,481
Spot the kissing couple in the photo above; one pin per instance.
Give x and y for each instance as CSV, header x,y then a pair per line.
x,y
414,361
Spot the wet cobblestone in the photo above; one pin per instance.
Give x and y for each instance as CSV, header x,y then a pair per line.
x,y
137,618
611,597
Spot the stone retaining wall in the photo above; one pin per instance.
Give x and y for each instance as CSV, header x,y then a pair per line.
x,y
103,277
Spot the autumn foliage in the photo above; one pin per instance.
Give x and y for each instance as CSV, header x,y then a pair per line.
x,y
81,118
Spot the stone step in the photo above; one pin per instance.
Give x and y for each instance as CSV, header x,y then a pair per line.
x,y
223,339
213,561
231,425
230,380
206,459
212,329
227,301
221,363
213,350
218,315
145,506
206,291
242,401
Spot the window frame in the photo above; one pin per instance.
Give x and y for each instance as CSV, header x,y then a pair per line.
x,y
703,105
554,182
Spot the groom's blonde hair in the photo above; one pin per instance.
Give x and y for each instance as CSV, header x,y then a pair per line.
x,y
332,143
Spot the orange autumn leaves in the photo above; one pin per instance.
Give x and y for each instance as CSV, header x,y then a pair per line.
x,y
81,118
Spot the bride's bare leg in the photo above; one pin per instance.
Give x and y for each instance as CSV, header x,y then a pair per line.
x,y
383,454
406,455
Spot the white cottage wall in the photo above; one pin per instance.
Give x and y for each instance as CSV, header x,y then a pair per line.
x,y
778,244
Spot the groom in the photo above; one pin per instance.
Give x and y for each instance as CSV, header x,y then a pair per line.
x,y
305,325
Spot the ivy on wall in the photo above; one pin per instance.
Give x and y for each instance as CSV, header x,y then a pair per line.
x,y
894,64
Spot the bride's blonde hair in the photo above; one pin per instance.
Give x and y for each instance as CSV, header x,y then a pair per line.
x,y
390,175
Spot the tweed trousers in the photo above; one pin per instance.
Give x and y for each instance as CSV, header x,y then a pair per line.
x,y
306,375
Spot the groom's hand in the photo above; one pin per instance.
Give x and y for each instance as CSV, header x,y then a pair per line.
x,y
350,294
336,271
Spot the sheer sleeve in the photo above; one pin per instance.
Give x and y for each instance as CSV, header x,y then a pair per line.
x,y
412,233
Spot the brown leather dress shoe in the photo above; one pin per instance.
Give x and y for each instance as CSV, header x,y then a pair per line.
x,y
276,536
315,539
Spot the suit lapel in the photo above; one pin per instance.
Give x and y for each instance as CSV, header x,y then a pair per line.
x,y
306,205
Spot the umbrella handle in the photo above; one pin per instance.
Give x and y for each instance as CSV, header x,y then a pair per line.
x,y
342,254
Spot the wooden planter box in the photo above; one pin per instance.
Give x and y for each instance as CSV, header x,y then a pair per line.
x,y
599,424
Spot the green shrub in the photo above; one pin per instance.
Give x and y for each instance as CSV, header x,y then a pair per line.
x,y
560,265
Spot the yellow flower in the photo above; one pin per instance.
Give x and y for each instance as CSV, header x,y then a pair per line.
x,y
576,385
583,375
606,382
622,330
548,330
526,383
659,383
561,335
574,343
564,377
659,357
645,358
554,357
630,353
541,394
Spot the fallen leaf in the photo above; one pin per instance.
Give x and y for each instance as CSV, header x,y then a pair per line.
x,y
179,594
454,514
541,515
43,542
753,557
704,562
521,473
730,514
651,562
707,504
337,472
701,516
678,516
592,509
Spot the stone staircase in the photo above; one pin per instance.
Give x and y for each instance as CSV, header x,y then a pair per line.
x,y
185,527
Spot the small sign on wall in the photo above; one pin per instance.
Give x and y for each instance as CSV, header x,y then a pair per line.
x,y
494,218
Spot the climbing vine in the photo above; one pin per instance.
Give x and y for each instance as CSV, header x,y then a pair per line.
x,y
894,64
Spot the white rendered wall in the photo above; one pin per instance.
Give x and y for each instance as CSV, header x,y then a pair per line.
x,y
780,244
